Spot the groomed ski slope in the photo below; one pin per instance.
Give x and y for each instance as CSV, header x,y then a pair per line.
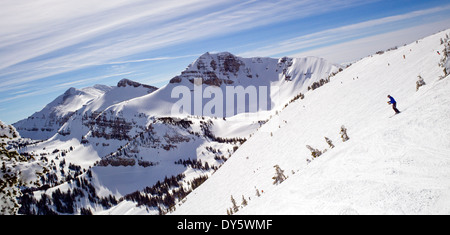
x,y
398,165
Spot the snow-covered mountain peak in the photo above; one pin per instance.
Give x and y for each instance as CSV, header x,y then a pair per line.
x,y
207,58
225,68
213,69
45,123
71,91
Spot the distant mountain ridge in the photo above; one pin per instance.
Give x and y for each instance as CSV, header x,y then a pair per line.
x,y
127,144
46,123
291,75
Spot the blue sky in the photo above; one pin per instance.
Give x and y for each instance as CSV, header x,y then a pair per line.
x,y
48,46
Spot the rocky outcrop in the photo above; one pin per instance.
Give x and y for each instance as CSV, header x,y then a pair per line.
x,y
126,82
213,69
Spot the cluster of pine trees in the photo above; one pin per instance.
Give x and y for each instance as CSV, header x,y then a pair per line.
x,y
194,164
318,84
316,152
51,179
185,123
116,161
59,202
235,208
205,127
163,196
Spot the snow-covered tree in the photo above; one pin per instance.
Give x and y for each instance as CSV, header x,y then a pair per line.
x,y
279,175
343,133
329,142
235,206
15,171
314,152
244,201
445,60
229,211
420,82
257,193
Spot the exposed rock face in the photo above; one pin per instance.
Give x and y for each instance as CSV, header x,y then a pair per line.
x,y
105,126
213,69
125,82
227,69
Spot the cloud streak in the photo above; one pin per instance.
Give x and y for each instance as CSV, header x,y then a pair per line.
x,y
61,86
350,51
334,35
72,36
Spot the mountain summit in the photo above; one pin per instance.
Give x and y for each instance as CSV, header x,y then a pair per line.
x,y
45,123
228,69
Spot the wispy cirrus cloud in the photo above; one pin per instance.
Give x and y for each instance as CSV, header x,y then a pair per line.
x,y
42,35
329,37
350,51
61,86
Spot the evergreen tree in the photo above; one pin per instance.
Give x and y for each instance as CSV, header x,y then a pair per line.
x,y
229,211
329,142
279,175
343,133
235,207
420,82
244,202
314,152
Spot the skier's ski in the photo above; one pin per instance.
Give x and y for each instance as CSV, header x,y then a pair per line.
x,y
394,115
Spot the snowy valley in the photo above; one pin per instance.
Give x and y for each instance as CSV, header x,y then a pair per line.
x,y
123,150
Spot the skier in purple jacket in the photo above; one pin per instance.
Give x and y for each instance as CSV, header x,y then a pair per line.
x,y
394,104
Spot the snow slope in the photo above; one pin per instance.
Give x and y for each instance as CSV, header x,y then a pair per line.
x,y
390,165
